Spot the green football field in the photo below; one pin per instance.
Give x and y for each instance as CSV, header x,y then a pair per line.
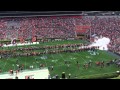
x,y
58,61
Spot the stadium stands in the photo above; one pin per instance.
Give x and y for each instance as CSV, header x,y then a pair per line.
x,y
60,27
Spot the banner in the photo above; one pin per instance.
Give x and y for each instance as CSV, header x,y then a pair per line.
x,y
82,29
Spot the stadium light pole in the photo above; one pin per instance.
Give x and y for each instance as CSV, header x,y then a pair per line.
x,y
94,31
90,34
75,33
75,27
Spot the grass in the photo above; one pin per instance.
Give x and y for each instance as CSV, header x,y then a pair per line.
x,y
116,77
57,60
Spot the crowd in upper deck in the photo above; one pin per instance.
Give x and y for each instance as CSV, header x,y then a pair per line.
x,y
61,27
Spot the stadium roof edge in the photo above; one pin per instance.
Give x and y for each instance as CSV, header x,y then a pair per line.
x,y
56,13
38,13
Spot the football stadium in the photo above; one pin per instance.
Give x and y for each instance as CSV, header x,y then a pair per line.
x,y
59,44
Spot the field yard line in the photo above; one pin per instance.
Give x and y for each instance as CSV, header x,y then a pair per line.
x,y
111,53
74,59
52,56
108,54
61,57
45,62
4,65
97,74
25,63
102,53
53,59
86,54
80,56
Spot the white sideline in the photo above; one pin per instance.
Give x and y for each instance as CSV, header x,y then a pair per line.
x,y
36,74
20,44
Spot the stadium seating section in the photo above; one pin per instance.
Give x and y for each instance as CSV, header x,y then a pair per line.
x,y
61,27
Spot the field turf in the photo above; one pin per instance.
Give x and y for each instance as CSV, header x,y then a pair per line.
x,y
58,61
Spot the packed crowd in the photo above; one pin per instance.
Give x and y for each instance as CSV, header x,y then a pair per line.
x,y
107,26
61,27
42,27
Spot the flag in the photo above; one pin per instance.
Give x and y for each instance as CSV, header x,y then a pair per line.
x,y
34,39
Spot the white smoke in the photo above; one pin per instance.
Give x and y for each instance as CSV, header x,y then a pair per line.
x,y
102,43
